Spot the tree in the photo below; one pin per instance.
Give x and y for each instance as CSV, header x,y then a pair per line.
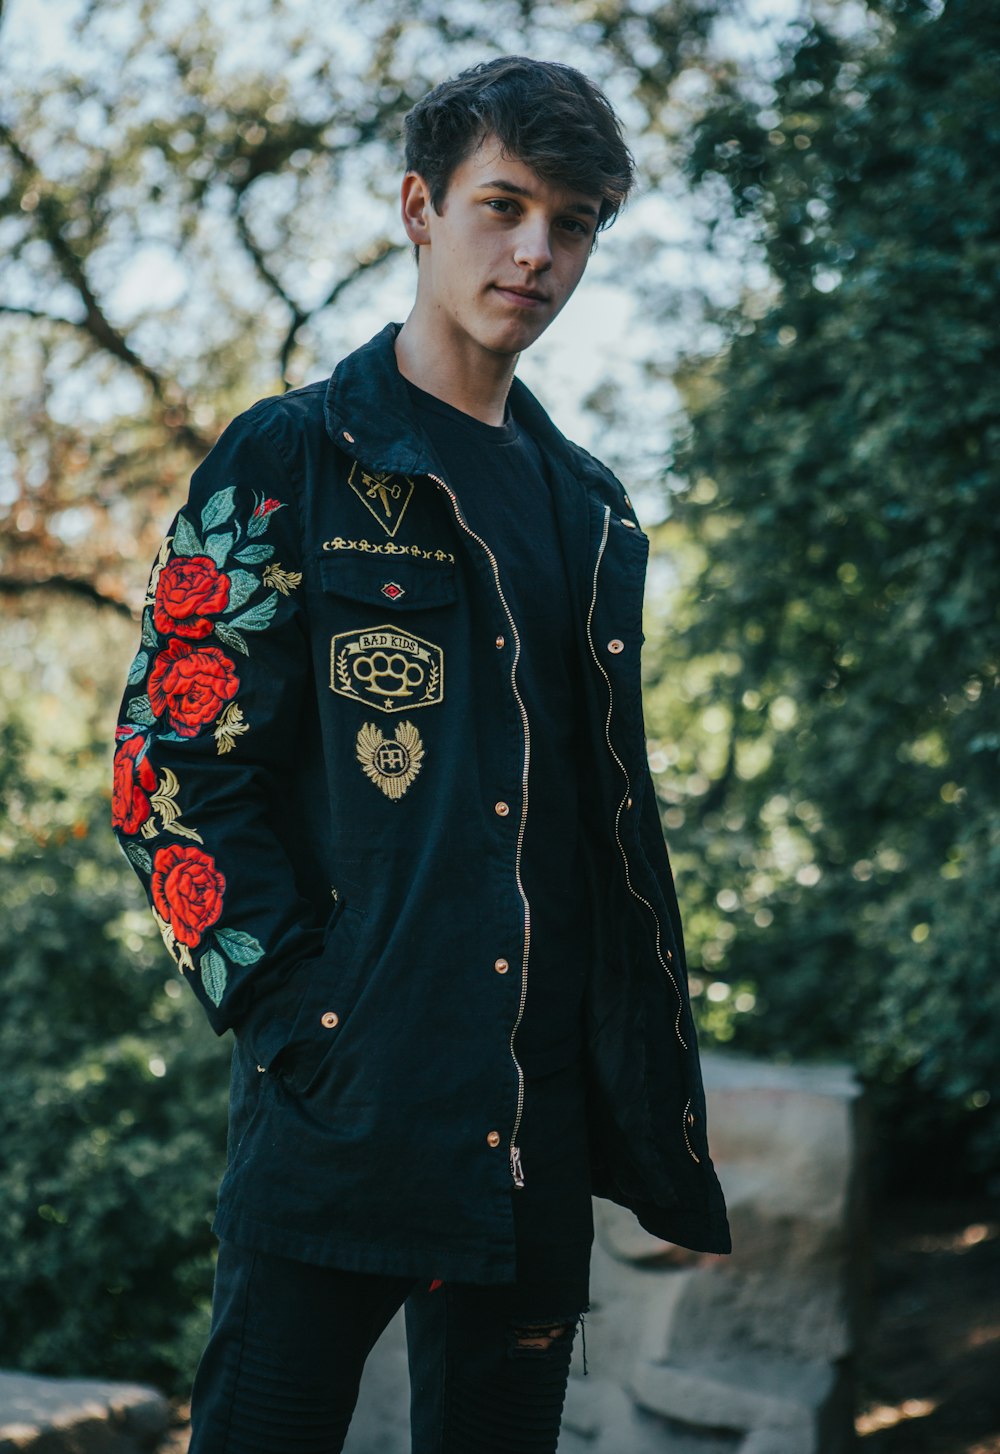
x,y
841,828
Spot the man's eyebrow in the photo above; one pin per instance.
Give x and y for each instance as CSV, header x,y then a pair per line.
x,y
499,184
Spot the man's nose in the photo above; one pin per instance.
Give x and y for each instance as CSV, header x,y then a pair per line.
x,y
533,248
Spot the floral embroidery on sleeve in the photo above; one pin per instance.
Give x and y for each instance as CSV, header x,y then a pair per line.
x,y
138,795
134,780
192,683
187,891
185,589
205,583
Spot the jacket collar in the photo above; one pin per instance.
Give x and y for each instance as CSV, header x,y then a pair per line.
x,y
369,413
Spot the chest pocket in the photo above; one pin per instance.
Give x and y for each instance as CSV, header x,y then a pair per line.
x,y
393,657
396,583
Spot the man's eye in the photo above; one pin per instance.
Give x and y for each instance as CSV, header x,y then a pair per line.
x,y
500,204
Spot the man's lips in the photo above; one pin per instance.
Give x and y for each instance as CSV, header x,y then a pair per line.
x,y
525,297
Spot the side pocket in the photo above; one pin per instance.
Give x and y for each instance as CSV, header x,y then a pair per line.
x,y
325,1006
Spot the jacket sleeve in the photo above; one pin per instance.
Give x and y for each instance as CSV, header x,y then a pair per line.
x,y
208,719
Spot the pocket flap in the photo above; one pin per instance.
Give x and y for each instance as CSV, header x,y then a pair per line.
x,y
400,583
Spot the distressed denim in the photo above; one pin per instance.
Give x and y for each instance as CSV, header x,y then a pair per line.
x,y
489,1364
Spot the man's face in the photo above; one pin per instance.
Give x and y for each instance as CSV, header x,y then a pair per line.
x,y
505,253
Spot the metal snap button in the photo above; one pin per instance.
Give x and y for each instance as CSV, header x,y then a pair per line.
x,y
499,642
690,1118
330,1020
628,802
616,646
501,810
501,966
493,1139
348,437
629,523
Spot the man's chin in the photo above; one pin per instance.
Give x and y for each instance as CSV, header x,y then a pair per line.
x,y
514,337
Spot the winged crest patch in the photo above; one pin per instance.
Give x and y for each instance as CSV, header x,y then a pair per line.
x,y
391,763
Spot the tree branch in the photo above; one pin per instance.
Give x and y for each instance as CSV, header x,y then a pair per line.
x,y
65,585
378,254
259,261
52,222
36,313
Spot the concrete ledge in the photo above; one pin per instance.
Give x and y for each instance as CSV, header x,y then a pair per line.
x,y
757,1391
78,1416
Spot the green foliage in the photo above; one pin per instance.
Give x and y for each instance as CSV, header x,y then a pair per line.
x,y
112,1124
837,650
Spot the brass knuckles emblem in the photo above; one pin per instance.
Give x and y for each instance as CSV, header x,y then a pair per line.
x,y
386,496
387,668
390,763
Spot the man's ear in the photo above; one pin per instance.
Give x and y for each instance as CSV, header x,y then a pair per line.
x,y
416,206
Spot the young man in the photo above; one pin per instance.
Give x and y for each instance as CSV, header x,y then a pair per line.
x,y
382,772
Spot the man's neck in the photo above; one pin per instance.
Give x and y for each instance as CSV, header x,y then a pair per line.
x,y
469,378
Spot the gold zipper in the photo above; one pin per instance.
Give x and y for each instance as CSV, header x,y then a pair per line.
x,y
687,1139
625,798
516,1170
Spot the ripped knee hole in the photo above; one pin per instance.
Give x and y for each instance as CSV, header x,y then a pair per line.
x,y
538,1335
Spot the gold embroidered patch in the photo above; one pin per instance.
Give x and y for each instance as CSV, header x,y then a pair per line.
x,y
391,764
386,496
389,547
387,668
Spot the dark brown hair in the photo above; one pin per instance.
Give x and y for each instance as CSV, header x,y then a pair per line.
x,y
546,114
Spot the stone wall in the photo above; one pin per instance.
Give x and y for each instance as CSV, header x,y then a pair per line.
x,y
686,1353
699,1354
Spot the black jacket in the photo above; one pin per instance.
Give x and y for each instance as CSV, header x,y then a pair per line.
x,y
322,781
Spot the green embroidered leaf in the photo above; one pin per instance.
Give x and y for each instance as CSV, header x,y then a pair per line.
x,y
217,547
137,855
259,616
238,946
139,710
185,540
230,637
218,509
242,584
137,670
148,630
213,975
254,554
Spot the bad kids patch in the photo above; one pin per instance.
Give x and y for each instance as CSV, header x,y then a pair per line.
x,y
387,668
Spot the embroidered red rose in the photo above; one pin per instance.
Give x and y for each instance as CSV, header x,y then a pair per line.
x,y
191,684
133,780
263,510
190,588
187,891
267,507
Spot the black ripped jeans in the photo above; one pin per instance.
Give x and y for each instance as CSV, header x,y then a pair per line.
x,y
488,1364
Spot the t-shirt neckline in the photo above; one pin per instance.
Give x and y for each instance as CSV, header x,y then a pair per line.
x,y
505,433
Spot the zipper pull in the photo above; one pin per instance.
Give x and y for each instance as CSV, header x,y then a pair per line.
x,y
515,1166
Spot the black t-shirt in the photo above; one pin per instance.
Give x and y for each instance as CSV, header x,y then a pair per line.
x,y
499,477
